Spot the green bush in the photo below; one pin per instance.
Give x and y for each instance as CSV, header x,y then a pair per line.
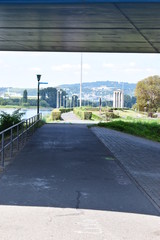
x,y
65,110
111,115
91,109
56,114
87,115
7,120
84,115
96,117
78,112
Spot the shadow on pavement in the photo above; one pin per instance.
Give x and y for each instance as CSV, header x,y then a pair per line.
x,y
66,166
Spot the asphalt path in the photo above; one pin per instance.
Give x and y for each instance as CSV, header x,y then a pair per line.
x,y
65,184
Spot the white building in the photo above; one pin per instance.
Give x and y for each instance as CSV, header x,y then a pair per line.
x,y
118,99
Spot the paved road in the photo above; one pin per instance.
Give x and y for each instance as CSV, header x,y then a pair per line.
x,y
140,157
65,185
70,117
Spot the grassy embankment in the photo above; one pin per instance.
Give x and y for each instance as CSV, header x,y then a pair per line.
x,y
129,121
149,129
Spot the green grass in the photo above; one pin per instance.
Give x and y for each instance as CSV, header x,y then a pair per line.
x,y
149,129
24,107
47,118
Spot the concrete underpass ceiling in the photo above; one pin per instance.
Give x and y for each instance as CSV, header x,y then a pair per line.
x,y
80,27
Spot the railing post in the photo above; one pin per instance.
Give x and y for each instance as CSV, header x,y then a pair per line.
x,y
26,130
11,139
2,152
23,133
17,137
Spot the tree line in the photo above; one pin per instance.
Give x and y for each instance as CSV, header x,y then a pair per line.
x,y
48,98
147,97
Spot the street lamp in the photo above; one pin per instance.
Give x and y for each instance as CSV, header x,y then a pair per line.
x,y
80,99
38,79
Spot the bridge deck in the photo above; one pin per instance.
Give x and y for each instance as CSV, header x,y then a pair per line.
x,y
80,26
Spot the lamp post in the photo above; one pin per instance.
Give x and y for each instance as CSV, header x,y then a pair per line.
x,y
80,99
38,79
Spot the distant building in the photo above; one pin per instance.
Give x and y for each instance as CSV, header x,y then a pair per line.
x,y
118,99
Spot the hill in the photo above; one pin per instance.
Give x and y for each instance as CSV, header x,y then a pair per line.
x,y
94,90
90,90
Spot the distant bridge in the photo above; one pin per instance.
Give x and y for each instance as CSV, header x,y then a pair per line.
x,y
80,25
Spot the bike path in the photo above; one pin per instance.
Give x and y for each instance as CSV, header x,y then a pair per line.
x,y
65,184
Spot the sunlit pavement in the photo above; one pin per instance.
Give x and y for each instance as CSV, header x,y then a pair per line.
x,y
65,184
35,223
70,117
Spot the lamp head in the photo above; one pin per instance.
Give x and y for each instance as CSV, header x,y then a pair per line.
x,y
38,77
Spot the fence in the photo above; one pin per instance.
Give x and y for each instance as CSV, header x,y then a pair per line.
x,y
14,138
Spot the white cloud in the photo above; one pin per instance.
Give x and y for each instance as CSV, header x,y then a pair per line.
x,y
86,66
79,72
35,69
132,64
108,65
150,69
136,69
131,70
63,67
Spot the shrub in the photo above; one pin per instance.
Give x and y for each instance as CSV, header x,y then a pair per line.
x,y
84,115
91,109
96,117
7,120
87,115
111,115
78,112
56,114
65,110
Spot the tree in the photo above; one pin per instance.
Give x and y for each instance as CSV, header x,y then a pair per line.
x,y
148,94
50,96
43,103
127,101
25,96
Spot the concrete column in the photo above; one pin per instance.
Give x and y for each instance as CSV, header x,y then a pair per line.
x,y
57,98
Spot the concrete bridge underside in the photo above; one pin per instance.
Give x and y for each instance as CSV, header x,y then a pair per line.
x,y
80,26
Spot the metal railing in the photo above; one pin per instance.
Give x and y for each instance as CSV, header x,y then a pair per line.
x,y
13,138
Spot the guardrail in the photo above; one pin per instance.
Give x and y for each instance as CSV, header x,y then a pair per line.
x,y
14,137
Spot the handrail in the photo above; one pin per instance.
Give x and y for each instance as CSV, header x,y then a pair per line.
x,y
19,133
7,129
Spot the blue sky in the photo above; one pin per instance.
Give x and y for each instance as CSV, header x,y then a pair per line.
x,y
19,69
